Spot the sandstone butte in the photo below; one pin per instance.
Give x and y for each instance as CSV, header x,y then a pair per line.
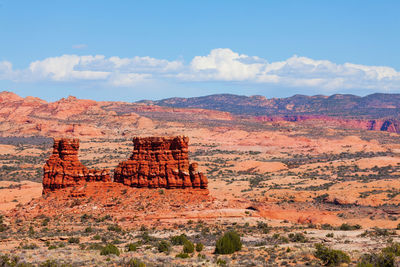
x,y
63,168
156,162
160,162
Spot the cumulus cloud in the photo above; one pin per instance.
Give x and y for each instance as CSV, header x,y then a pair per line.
x,y
5,70
226,65
221,65
114,71
66,68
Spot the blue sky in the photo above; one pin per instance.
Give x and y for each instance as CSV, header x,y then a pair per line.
x,y
132,50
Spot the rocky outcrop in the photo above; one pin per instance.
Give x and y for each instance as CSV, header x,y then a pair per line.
x,y
156,162
160,162
386,125
63,168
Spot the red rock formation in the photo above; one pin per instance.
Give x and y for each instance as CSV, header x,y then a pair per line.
x,y
160,162
63,168
387,125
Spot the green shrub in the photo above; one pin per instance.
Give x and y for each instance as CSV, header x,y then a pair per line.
x,y
199,247
394,248
28,246
73,240
6,260
146,237
164,246
3,228
228,244
348,227
52,247
109,249
188,247
47,263
179,239
326,226
97,237
95,246
378,232
115,228
297,237
85,217
134,263
46,221
376,260
131,247
386,258
104,218
31,231
182,255
263,227
221,262
330,257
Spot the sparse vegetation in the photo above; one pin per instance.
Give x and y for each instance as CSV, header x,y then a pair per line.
x,y
199,247
330,257
188,247
164,246
229,243
131,247
385,258
109,249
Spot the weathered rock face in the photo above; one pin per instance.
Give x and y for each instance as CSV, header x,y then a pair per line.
x,y
156,162
160,162
63,168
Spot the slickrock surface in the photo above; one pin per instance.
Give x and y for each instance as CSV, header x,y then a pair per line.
x,y
63,168
160,162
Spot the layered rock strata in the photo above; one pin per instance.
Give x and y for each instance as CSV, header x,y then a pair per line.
x,y
63,168
160,162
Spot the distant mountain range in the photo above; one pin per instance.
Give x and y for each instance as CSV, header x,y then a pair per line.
x,y
374,106
79,117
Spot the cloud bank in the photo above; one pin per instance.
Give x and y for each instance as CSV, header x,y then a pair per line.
x,y
220,65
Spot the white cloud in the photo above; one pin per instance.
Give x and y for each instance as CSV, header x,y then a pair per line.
x,y
64,68
222,65
225,65
5,69
112,71
145,64
128,79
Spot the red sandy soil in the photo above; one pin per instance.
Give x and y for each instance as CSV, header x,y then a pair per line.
x,y
23,193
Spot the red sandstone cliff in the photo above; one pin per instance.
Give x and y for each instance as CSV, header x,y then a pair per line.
x,y
160,162
63,168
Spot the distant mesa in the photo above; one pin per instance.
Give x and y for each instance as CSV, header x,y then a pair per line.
x,y
156,162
